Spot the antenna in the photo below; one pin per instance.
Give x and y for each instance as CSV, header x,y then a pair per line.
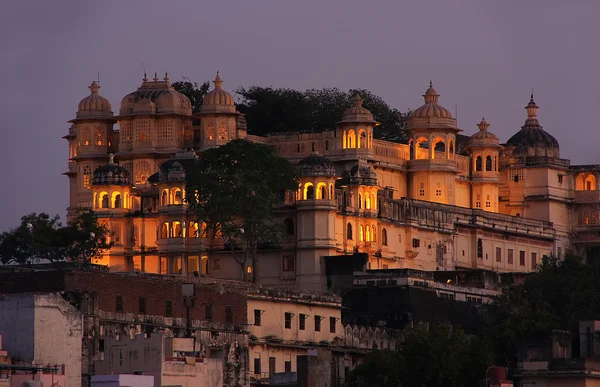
x,y
456,113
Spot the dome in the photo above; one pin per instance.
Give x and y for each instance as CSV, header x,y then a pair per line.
x,y
218,100
94,105
357,113
532,140
111,174
316,165
431,108
363,174
156,96
180,161
483,137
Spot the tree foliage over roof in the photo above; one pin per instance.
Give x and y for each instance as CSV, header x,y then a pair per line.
x,y
41,237
234,188
270,110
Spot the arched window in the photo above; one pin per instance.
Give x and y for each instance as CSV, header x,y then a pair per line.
x,y
374,201
309,191
203,230
104,200
384,237
495,163
359,200
323,189
164,198
177,231
349,231
326,144
193,231
313,147
177,195
344,140
362,233
362,140
478,164
218,231
479,248
344,199
488,163
373,234
451,147
367,202
117,201
368,232
298,148
164,230
126,201
289,226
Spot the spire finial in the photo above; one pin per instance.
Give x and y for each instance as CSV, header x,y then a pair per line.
x,y
358,101
483,125
218,82
145,77
166,76
155,77
431,96
531,108
94,87
111,158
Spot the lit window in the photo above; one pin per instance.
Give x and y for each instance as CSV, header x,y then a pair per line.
x,y
87,176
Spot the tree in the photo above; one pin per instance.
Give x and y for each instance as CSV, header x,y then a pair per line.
x,y
269,110
194,92
436,356
558,295
234,189
40,237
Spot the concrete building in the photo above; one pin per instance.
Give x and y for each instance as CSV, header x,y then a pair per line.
x,y
68,316
443,201
169,360
562,358
290,330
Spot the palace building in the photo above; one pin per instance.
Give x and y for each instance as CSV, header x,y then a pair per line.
x,y
444,201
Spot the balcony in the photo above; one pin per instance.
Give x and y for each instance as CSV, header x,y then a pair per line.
x,y
436,164
587,196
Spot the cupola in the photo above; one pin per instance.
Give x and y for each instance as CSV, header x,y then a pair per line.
x,y
316,165
218,100
532,140
94,105
156,96
111,174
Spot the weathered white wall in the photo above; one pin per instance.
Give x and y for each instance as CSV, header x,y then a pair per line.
x,y
58,333
43,329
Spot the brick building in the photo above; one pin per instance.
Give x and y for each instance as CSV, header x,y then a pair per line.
x,y
95,304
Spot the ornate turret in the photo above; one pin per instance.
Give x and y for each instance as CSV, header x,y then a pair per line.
x,y
356,126
532,139
111,174
94,106
316,165
218,100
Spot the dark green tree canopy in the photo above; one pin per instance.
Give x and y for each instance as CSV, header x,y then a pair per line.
x,y
435,356
41,237
276,110
270,110
560,294
193,91
234,188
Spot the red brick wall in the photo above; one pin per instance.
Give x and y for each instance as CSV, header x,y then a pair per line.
x,y
157,289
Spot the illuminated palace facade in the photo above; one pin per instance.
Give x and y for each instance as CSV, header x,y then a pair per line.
x,y
444,201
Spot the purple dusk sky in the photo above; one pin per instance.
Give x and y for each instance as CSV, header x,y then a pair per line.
x,y
484,56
